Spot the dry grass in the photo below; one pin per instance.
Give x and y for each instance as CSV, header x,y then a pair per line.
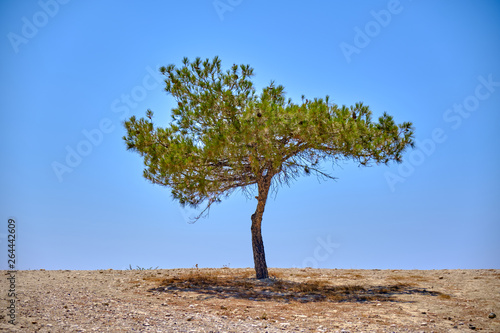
x,y
292,300
410,278
281,287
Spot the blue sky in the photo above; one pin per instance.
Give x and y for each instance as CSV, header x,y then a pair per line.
x,y
72,70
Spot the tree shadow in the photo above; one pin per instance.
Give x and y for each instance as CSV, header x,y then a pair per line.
x,y
279,290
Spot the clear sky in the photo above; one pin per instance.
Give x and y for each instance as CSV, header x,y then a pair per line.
x,y
72,70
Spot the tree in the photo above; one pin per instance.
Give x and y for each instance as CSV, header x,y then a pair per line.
x,y
224,136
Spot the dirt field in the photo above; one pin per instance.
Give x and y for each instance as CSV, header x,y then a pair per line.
x,y
231,300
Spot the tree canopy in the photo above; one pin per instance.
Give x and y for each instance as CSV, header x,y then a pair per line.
x,y
225,136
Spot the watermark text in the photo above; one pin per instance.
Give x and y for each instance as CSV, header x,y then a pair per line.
x,y
31,26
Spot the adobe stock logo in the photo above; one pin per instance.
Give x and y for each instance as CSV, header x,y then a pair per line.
x,y
322,252
94,137
40,19
83,148
222,6
455,116
373,28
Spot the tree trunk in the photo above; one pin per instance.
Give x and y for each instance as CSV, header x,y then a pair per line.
x,y
259,256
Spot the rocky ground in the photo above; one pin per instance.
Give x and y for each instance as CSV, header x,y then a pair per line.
x,y
231,300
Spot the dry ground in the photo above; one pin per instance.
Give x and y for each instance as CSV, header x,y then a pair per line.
x,y
231,300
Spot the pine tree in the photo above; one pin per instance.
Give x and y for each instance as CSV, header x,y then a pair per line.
x,y
224,136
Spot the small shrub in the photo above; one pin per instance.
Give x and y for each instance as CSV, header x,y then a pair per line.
x,y
137,268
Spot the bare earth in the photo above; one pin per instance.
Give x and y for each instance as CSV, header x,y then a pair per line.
x,y
231,300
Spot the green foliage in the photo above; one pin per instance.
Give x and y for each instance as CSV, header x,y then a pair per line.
x,y
224,136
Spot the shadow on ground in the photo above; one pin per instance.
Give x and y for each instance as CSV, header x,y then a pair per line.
x,y
284,291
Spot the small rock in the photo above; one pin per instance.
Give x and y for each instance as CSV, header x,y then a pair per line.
x,y
472,327
492,315
190,318
440,278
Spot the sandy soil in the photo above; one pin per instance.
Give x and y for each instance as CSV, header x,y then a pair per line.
x,y
231,300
